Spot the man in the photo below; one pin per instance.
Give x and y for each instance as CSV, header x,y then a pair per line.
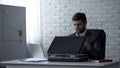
x,y
94,44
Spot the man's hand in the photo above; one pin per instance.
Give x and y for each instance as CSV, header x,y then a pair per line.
x,y
87,44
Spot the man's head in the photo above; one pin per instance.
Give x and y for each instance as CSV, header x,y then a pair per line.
x,y
79,22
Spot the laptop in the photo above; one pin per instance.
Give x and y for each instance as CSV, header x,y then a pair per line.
x,y
35,54
67,48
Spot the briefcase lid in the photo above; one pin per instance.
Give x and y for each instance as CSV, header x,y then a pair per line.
x,y
66,45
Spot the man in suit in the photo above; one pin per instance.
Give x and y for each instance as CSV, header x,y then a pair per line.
x,y
94,44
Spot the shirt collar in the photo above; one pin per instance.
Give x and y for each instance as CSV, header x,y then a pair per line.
x,y
82,34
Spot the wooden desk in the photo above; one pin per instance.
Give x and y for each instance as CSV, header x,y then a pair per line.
x,y
46,64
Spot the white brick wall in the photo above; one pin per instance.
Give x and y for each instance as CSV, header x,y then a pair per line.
x,y
101,14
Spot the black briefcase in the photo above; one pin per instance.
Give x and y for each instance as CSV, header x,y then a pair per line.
x,y
67,49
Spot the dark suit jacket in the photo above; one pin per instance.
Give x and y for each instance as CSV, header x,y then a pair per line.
x,y
97,39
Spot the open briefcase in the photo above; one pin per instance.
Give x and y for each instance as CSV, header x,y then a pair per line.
x,y
67,49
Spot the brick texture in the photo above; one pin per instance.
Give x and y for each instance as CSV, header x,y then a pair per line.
x,y
101,14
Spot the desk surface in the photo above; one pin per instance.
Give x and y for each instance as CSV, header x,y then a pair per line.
x,y
86,63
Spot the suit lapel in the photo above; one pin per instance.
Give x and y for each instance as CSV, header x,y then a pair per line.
x,y
88,34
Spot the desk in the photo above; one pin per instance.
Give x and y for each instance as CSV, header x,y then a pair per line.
x,y
46,64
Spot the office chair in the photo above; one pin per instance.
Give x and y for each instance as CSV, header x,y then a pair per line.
x,y
102,37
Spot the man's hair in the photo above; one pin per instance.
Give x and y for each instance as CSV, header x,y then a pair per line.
x,y
79,16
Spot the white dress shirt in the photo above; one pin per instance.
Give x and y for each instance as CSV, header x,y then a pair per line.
x,y
81,34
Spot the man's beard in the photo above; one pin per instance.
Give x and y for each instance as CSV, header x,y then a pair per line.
x,y
80,30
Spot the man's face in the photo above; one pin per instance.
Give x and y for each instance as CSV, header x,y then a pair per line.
x,y
79,26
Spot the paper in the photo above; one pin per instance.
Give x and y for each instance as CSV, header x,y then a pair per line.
x,y
20,32
6,11
34,59
13,25
20,41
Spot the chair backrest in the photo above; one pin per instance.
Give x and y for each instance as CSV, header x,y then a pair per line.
x,y
102,37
